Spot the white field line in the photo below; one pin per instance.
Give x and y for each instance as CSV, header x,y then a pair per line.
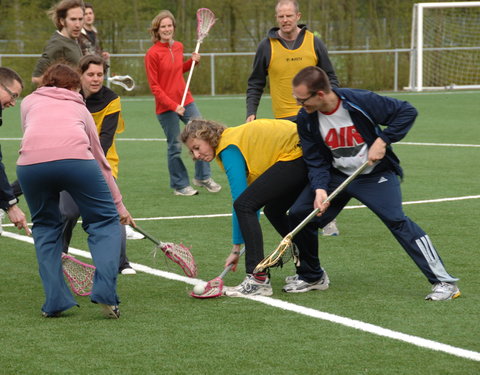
x,y
398,143
210,216
302,310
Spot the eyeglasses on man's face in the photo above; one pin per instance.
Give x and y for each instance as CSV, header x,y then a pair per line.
x,y
301,101
13,95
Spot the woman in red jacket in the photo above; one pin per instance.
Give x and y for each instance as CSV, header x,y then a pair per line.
x,y
165,67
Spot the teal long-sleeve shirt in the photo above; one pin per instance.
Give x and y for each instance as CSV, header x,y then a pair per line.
x,y
237,172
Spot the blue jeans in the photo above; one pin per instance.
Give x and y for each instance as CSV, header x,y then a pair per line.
x,y
82,179
171,127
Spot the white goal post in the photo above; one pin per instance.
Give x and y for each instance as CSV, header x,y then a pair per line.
x,y
445,50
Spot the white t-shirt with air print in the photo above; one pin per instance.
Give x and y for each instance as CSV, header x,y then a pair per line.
x,y
340,135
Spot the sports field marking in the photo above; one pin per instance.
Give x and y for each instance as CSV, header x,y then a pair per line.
x,y
398,143
210,216
302,310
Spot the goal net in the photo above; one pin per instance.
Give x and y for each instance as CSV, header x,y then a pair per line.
x,y
445,52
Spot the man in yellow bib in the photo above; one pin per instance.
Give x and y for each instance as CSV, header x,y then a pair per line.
x,y
288,48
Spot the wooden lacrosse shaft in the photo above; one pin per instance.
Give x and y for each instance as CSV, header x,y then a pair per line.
x,y
190,75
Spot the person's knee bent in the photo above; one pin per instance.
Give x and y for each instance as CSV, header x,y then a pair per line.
x,y
242,205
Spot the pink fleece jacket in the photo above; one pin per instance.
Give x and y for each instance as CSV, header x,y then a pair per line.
x,y
57,125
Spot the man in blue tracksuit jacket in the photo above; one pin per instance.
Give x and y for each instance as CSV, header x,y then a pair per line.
x,y
339,130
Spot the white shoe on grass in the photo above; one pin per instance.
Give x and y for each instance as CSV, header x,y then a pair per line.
x,y
296,285
187,191
208,184
443,291
250,287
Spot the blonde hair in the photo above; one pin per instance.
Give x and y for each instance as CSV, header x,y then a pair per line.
x,y
209,131
284,2
153,30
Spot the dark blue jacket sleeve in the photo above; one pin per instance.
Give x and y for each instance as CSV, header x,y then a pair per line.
x,y
6,192
315,153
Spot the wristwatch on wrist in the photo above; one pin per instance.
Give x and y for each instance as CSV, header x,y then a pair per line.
x,y
11,203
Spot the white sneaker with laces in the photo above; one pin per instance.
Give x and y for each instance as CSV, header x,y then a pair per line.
x,y
299,286
132,234
250,287
187,191
331,229
443,291
208,184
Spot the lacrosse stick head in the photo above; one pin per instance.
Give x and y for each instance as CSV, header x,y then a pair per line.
x,y
126,82
205,21
286,251
214,288
79,275
181,255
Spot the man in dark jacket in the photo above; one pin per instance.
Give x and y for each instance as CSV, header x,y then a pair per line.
x,y
340,130
11,86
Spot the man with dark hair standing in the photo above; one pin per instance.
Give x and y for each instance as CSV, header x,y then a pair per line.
x,y
88,40
63,46
11,86
340,129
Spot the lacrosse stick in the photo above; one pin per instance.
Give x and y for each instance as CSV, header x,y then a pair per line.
x,y
126,82
287,249
78,274
214,288
177,253
205,21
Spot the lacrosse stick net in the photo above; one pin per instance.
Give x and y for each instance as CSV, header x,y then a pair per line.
x,y
177,253
205,21
78,274
286,249
214,288
126,82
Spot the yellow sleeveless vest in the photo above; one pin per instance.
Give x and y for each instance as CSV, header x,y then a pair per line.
x,y
284,65
112,156
262,144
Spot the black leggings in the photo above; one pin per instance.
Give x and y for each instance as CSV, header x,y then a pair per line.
x,y
275,190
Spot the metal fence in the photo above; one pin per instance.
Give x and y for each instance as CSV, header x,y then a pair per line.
x,y
227,72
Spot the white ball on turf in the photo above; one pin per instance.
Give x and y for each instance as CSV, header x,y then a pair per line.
x,y
199,289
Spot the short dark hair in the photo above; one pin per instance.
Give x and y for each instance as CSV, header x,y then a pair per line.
x,y
87,60
88,5
62,76
314,78
8,75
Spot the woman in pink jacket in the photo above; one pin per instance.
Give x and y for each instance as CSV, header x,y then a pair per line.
x,y
165,67
60,150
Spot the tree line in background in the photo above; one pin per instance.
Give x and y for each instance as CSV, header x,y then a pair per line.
x,y
240,26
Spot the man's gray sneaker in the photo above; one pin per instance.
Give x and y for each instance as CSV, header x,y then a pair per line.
x,y
443,291
331,229
208,184
250,287
291,279
299,286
